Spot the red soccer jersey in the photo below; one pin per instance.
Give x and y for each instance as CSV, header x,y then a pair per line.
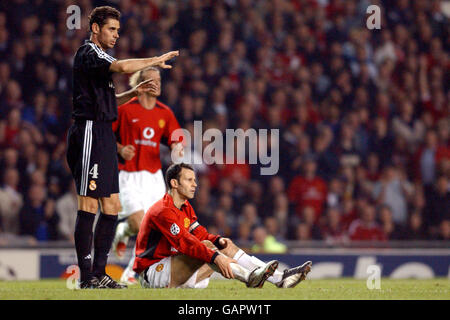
x,y
166,230
303,193
144,129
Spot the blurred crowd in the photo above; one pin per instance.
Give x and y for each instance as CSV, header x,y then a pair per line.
x,y
363,115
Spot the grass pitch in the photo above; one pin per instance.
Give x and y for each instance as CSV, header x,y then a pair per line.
x,y
331,289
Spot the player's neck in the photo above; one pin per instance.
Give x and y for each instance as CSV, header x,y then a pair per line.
x,y
147,101
94,39
178,200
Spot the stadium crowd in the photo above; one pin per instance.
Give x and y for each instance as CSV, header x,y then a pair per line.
x,y
363,115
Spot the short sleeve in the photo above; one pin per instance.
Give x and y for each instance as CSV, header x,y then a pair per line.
x,y
96,61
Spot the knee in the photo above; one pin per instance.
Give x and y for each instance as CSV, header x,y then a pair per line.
x,y
88,205
111,207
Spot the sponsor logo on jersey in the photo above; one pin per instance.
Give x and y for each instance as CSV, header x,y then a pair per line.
x,y
92,185
187,222
159,267
174,229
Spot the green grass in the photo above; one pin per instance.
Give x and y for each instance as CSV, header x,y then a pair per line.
x,y
334,289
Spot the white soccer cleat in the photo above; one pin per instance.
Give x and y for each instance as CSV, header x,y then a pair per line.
x,y
119,244
258,276
293,276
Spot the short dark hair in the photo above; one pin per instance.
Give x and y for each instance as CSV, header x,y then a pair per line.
x,y
100,14
173,172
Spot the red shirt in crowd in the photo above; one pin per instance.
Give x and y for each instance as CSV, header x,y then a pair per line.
x,y
308,193
361,231
166,231
145,129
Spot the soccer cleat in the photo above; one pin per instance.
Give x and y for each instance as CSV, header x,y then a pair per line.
x,y
89,284
293,276
105,282
258,276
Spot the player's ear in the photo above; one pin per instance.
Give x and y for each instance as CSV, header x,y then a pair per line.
x,y
174,183
95,28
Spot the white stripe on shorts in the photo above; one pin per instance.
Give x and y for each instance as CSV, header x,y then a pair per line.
x,y
87,146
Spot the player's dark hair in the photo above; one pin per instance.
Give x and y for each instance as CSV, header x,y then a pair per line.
x,y
174,171
100,14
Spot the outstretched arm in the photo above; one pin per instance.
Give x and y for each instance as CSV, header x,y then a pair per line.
x,y
133,65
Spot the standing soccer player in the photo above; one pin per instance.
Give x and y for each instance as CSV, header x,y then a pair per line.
x,y
91,152
142,124
174,250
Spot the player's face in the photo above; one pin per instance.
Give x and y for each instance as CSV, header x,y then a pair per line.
x,y
187,183
109,33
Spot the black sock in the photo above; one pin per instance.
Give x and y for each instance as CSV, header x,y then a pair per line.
x,y
83,242
103,238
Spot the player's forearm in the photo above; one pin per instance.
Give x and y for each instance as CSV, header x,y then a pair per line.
x,y
123,97
133,65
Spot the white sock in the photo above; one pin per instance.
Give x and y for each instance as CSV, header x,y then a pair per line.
x,y
251,263
240,273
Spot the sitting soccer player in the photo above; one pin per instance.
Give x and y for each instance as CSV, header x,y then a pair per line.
x,y
174,250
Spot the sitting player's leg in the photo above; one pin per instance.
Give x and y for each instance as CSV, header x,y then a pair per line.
x,y
254,277
288,278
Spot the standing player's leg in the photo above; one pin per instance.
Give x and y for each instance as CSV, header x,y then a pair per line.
x,y
87,209
102,181
79,145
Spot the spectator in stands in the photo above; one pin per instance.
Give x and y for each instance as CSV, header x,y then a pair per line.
x,y
265,243
438,205
415,230
11,201
65,207
394,191
308,190
390,228
333,231
366,228
38,217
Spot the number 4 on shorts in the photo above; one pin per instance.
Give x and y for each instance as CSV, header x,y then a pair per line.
x,y
94,171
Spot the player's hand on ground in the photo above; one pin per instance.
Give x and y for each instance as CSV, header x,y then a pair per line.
x,y
161,60
128,152
223,262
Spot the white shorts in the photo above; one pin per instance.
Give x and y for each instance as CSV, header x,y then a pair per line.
x,y
158,276
139,191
